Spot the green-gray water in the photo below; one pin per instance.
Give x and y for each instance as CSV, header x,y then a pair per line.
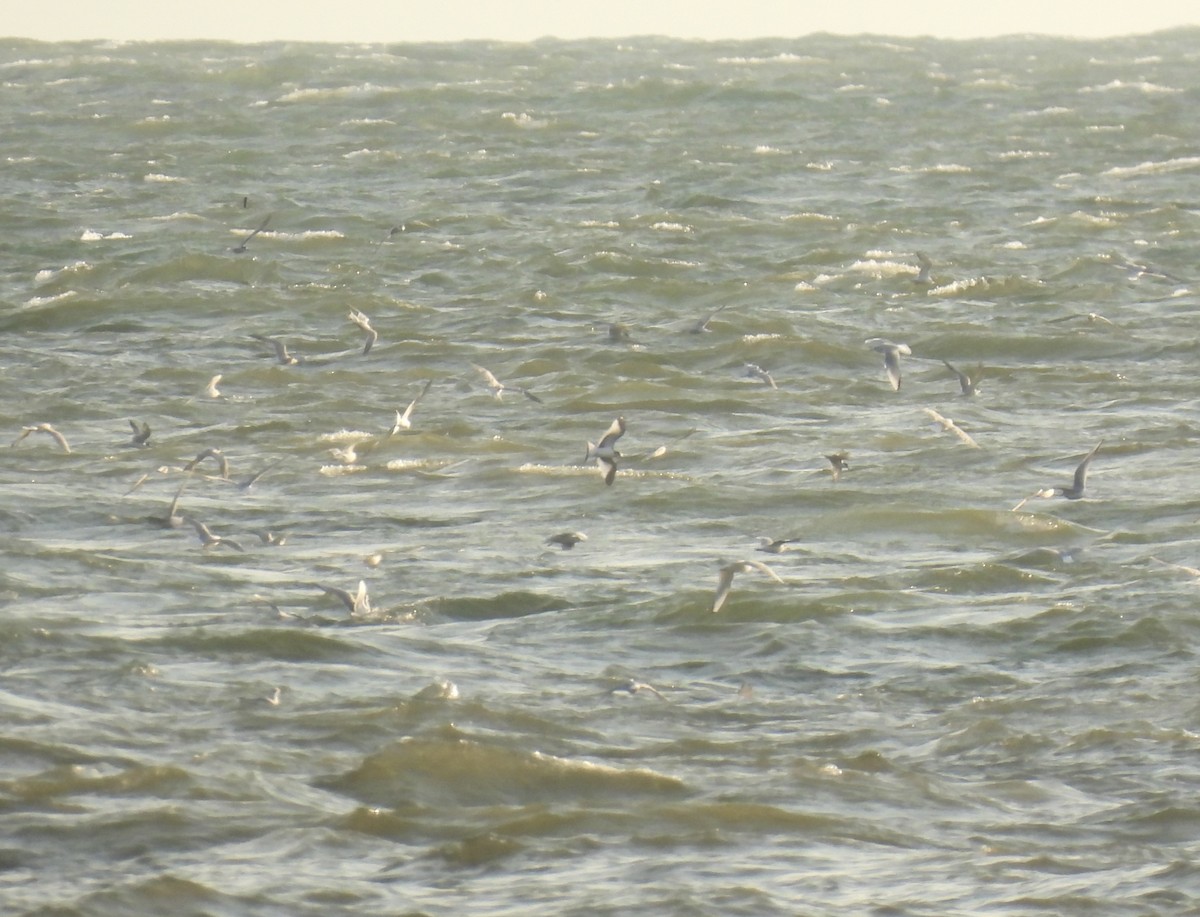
x,y
948,708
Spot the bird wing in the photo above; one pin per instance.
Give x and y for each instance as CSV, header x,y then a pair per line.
x,y
614,432
763,568
891,363
609,467
724,584
1082,471
345,597
412,404
488,376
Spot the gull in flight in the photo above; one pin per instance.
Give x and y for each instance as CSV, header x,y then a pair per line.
x,y
729,571
241,247
498,387
208,539
923,276
951,427
172,520
216,455
838,462
754,371
1138,271
250,480
281,352
701,326
968,383
49,431
141,435
605,452
774,545
348,454
1075,491
567,540
1093,317
619,333
1191,571
891,358
404,421
364,323
632,686
357,603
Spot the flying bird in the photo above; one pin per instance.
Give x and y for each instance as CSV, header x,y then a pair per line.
x,y
968,383
364,323
498,388
754,371
891,358
404,420
141,434
923,275
729,571
701,326
774,545
838,462
216,455
282,356
357,603
250,480
172,519
567,540
347,455
209,539
241,247
951,427
49,431
632,686
605,452
1075,491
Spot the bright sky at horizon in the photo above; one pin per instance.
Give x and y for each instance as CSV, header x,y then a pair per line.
x,y
526,20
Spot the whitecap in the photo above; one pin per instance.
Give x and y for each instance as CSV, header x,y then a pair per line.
x,y
336,470
1138,86
1179,164
90,235
47,274
667,226
47,300
345,436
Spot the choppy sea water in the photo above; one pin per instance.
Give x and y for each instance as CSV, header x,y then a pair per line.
x,y
947,707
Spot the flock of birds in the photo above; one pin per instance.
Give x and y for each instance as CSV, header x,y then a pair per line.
x,y
603,453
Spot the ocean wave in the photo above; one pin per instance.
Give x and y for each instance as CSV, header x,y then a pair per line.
x,y
468,772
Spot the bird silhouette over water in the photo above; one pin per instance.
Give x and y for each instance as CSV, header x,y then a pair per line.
x,y
241,246
209,539
838,462
49,431
141,434
363,322
1076,488
498,388
605,452
891,353
924,277
216,455
968,383
358,603
282,356
729,571
567,540
404,420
